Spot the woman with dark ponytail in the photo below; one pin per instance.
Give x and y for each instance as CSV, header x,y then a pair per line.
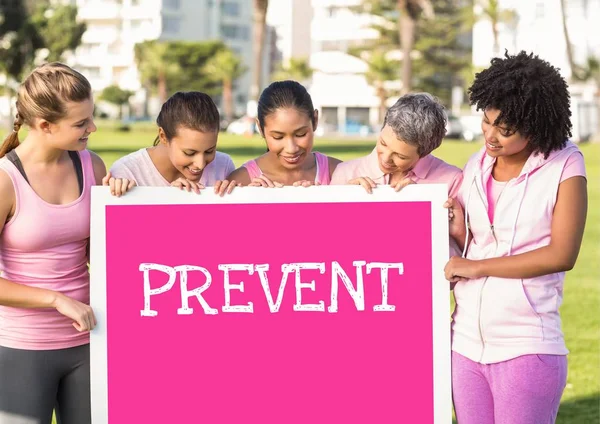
x,y
287,121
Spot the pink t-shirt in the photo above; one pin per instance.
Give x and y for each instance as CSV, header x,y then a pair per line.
x,y
574,167
45,245
429,170
322,176
138,166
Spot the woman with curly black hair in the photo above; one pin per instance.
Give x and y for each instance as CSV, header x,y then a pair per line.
x,y
525,202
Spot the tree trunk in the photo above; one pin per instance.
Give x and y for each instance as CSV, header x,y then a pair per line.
x,y
496,48
381,93
228,100
572,65
407,26
259,20
162,88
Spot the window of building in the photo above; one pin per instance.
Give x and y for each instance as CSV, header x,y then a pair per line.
x,y
230,8
235,32
172,4
171,24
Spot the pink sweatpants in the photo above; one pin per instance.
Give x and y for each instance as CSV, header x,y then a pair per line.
x,y
523,390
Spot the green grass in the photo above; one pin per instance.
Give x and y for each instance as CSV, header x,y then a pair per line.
x,y
581,307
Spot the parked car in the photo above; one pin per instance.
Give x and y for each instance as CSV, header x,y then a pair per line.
x,y
466,127
242,126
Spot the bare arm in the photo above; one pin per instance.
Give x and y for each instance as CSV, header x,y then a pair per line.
x,y
240,175
568,223
333,163
23,296
99,167
13,294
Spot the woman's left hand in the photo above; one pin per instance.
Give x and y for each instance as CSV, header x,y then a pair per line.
x,y
305,183
118,186
461,269
225,187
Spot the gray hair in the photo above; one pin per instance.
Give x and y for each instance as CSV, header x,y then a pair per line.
x,y
418,119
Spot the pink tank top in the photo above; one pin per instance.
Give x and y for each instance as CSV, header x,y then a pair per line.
x,y
45,245
323,177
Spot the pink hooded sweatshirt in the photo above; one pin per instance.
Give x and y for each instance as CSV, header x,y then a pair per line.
x,y
497,319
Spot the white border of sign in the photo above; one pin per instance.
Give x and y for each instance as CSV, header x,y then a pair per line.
x,y
434,193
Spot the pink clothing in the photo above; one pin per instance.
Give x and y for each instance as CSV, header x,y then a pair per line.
x,y
322,176
45,245
497,319
574,166
138,166
523,390
429,170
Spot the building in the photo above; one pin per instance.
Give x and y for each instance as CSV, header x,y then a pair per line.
x,y
106,55
346,101
291,22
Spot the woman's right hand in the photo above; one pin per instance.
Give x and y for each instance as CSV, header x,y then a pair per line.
x,y
185,184
264,181
81,314
456,220
367,183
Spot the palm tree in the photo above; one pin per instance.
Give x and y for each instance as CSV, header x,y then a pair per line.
x,y
228,67
381,69
410,11
155,68
491,10
259,24
297,69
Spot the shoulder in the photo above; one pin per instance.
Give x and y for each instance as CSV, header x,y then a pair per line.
x,y
98,166
223,158
7,194
241,175
126,165
443,168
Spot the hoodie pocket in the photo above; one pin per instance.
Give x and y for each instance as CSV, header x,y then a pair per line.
x,y
507,314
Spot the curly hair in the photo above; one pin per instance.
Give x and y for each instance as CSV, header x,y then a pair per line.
x,y
532,97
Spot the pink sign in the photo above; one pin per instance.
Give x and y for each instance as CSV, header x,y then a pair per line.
x,y
268,313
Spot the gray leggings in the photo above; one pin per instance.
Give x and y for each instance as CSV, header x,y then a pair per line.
x,y
34,382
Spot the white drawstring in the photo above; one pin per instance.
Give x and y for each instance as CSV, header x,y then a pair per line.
x,y
514,228
467,217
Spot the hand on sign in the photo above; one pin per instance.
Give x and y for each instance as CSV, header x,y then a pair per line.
x,y
456,218
305,183
118,186
185,184
80,313
401,184
264,181
367,183
225,186
461,269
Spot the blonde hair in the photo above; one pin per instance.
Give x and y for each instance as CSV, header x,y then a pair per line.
x,y
44,94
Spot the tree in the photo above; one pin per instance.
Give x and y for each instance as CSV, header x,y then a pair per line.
x,y
117,96
441,50
155,67
409,13
381,70
169,66
59,29
259,25
491,10
19,41
297,69
445,53
227,67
